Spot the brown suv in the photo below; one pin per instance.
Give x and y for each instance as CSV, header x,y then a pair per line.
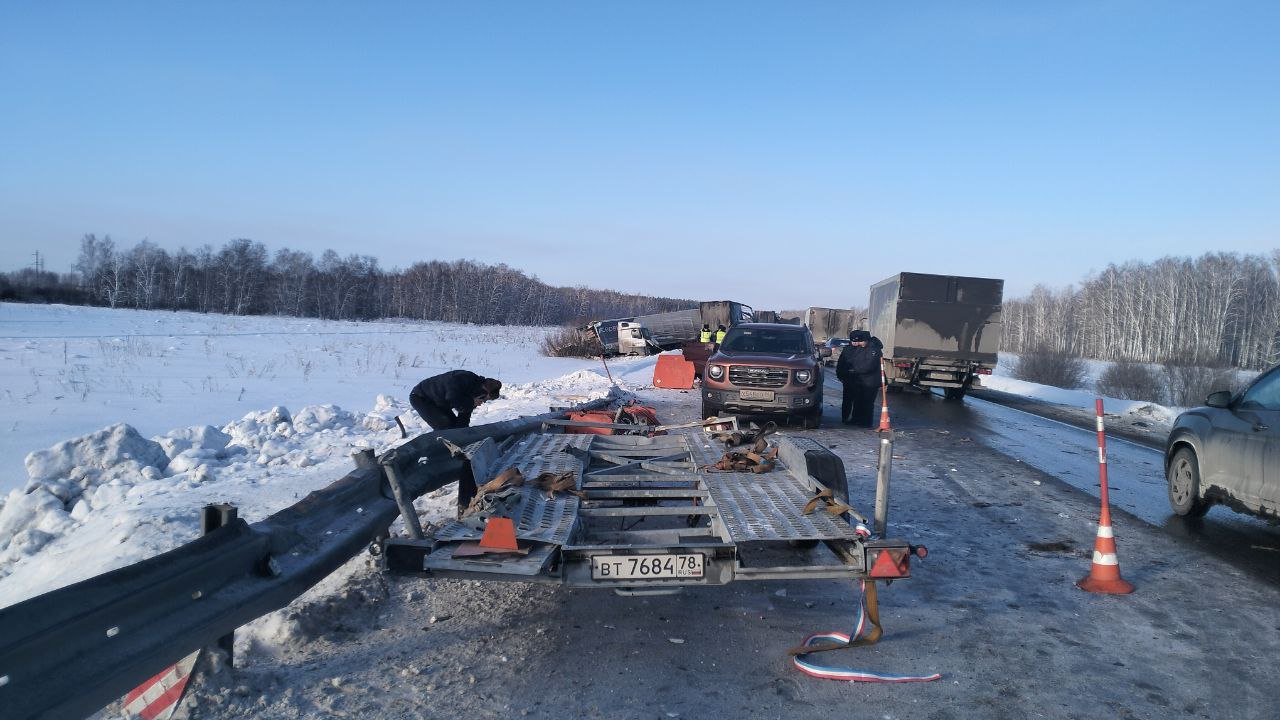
x,y
765,368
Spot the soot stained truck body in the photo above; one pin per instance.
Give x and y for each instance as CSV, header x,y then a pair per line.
x,y
938,330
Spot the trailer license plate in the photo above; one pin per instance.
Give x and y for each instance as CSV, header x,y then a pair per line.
x,y
646,567
766,395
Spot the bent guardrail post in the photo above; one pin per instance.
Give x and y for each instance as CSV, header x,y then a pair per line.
x,y
69,652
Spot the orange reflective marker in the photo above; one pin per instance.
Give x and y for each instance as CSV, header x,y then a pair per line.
x,y
499,534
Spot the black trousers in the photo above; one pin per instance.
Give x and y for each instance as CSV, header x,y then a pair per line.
x,y
438,417
859,402
442,418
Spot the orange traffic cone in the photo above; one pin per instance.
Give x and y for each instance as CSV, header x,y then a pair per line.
x,y
884,403
1104,574
499,534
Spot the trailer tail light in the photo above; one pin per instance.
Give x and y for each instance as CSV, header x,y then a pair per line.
x,y
889,562
903,365
982,371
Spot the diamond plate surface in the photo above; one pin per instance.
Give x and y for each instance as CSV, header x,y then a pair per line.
x,y
769,507
539,518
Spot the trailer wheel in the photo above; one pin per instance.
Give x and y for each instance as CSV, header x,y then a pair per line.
x,y
955,394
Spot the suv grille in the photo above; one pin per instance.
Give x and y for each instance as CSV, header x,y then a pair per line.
x,y
758,377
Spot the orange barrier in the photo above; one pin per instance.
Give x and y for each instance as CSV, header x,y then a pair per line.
x,y
673,372
595,416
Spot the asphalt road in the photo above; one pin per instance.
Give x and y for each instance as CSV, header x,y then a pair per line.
x,y
1135,471
994,609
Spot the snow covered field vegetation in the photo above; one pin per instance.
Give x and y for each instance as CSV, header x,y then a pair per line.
x,y
170,411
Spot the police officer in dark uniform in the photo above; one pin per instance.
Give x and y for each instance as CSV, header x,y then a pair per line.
x,y
438,398
859,372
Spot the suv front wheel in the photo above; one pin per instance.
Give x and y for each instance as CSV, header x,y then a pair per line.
x,y
1184,484
708,410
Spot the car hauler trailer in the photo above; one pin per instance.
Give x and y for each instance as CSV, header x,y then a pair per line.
x,y
938,330
650,514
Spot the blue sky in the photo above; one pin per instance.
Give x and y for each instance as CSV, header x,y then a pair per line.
x,y
784,154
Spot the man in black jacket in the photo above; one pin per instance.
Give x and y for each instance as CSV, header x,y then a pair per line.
x,y
859,372
437,398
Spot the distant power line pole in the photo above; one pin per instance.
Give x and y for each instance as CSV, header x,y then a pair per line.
x,y
39,262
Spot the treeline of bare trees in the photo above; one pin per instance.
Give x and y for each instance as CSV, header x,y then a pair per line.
x,y
1217,309
243,278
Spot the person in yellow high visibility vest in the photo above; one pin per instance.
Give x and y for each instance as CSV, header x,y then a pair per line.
x,y
705,335
720,333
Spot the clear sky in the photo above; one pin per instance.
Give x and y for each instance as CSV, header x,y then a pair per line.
x,y
783,154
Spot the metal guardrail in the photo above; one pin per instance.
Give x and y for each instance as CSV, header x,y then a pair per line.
x,y
70,652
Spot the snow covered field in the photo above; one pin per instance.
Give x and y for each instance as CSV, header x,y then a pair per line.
x,y
170,411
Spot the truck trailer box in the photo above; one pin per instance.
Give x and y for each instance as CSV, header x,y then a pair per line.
x,y
938,316
827,323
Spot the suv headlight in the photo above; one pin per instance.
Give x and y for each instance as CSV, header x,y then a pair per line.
x,y
715,372
804,376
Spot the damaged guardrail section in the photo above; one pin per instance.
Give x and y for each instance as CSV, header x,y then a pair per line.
x,y
69,652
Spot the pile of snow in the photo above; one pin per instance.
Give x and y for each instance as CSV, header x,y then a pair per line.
x,y
113,497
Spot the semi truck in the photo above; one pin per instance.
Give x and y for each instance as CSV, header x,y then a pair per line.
x,y
938,330
669,330
827,323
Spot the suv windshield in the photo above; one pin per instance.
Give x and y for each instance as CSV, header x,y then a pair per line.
x,y
755,340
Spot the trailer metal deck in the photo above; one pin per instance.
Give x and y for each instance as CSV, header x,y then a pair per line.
x,y
649,515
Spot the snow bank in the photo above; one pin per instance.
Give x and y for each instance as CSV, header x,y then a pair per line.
x,y
1002,381
113,497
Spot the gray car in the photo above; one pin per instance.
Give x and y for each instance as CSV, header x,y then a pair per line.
x,y
1228,452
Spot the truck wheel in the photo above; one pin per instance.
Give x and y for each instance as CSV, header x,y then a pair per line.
x,y
813,420
955,394
1184,485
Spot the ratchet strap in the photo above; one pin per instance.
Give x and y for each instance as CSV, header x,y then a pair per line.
x,y
868,613
833,506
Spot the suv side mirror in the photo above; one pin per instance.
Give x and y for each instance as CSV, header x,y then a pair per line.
x,y
1220,399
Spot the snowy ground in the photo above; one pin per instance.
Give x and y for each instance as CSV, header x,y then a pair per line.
x,y
171,411
1147,414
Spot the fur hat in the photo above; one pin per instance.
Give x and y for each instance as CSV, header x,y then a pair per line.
x,y
492,388
859,336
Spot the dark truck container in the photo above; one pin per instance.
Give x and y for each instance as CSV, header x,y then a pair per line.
x,y
827,323
938,330
669,330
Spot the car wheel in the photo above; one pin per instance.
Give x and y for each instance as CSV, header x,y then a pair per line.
x,y
1184,485
707,410
813,420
